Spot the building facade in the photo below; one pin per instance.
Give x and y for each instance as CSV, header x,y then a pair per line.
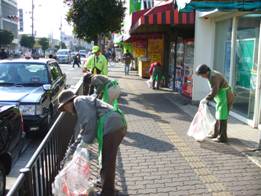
x,y
229,42
8,16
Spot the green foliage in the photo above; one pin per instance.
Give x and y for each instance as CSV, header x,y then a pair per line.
x,y
6,37
57,47
27,41
91,18
44,42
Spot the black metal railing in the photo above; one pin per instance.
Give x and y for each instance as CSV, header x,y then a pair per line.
x,y
37,176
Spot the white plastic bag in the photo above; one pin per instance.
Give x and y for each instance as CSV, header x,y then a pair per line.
x,y
202,124
149,82
74,178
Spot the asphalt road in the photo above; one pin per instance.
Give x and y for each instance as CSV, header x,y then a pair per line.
x,y
31,144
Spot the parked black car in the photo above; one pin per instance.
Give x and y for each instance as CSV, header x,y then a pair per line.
x,y
11,136
32,85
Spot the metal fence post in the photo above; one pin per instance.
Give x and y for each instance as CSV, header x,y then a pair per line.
x,y
28,181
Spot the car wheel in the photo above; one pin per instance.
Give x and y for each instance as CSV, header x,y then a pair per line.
x,y
2,179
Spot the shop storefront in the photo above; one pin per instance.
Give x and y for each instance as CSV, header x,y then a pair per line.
x,y
161,26
147,48
236,54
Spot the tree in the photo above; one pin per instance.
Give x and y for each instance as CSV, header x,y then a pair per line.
x,y
93,18
6,37
57,47
44,42
27,41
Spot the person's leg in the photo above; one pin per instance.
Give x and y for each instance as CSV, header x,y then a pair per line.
x,y
153,83
125,69
111,143
86,84
223,131
91,91
158,82
216,130
128,69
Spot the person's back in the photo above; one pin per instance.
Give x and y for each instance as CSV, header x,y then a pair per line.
x,y
127,58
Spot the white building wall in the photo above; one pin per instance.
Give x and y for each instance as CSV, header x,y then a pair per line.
x,y
203,54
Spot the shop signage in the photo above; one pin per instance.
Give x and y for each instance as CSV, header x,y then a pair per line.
x,y
155,50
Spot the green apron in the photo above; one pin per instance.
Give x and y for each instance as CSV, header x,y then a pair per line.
x,y
156,74
222,111
105,96
100,128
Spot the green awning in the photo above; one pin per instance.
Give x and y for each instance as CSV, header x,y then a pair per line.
x,y
225,5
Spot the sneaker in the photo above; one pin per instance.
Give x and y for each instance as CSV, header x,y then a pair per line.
x,y
219,140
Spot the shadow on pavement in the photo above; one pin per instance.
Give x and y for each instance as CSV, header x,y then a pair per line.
x,y
140,140
220,147
120,175
243,145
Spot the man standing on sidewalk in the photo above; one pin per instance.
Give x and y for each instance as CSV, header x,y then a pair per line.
x,y
222,95
127,57
96,119
95,64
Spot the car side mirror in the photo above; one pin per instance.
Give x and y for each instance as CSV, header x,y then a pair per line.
x,y
47,87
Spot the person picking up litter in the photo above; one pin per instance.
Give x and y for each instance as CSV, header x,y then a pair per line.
x,y
97,119
108,90
156,72
222,95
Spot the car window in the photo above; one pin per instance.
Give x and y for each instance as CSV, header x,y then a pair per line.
x,y
21,73
55,71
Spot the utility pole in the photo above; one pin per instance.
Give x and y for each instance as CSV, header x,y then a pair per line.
x,y
32,18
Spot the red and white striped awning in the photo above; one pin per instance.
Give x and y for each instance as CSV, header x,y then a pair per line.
x,y
164,14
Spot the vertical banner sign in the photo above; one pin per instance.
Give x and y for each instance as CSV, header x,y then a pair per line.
x,y
135,5
245,62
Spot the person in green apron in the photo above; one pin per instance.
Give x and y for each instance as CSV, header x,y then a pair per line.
x,y
220,91
97,119
156,72
107,89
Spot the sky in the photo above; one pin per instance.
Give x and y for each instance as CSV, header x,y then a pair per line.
x,y
48,15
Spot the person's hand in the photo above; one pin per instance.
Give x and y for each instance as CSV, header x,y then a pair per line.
x,y
204,101
84,70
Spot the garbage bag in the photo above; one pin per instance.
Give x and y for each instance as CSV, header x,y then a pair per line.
x,y
74,178
202,124
149,82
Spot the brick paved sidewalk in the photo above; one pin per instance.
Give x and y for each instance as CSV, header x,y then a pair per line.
x,y
157,158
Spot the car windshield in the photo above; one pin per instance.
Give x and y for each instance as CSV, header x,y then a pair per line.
x,y
62,53
23,74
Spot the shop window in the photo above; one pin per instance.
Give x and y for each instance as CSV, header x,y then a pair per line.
x,y
246,64
223,47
